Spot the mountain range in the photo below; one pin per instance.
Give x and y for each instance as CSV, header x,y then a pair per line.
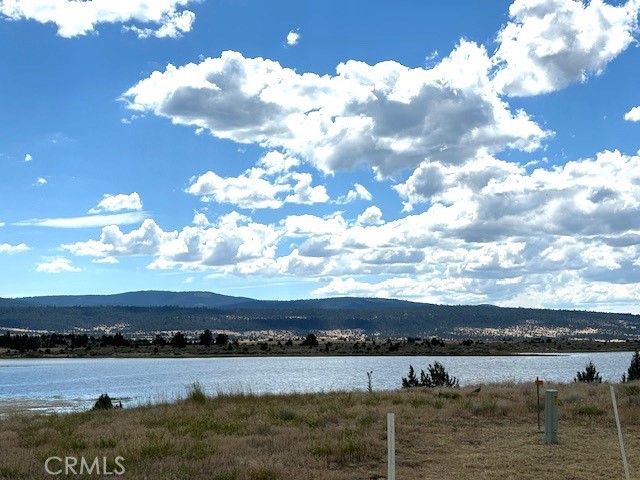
x,y
152,311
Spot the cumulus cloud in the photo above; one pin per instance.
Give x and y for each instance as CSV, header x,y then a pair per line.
x,y
387,116
259,187
371,216
117,203
633,115
293,37
472,242
28,157
548,44
304,193
40,181
74,18
56,265
233,243
357,193
431,180
11,249
173,25
85,222
248,190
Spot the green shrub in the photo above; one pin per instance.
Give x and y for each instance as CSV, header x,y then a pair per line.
x,y
437,377
103,403
589,411
589,374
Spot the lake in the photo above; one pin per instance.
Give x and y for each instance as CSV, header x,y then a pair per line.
x,y
56,385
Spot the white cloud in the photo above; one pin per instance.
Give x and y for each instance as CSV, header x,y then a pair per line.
x,y
472,243
28,157
116,203
174,24
56,265
371,216
85,222
275,162
107,260
548,44
633,115
2,224
430,181
248,190
387,115
293,37
418,289
74,18
40,181
11,249
260,188
233,244
304,193
357,193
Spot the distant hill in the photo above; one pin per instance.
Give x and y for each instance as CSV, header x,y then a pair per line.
x,y
12,302
148,298
152,311
158,298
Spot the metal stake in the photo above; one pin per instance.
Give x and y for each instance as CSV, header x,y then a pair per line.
x,y
391,446
615,412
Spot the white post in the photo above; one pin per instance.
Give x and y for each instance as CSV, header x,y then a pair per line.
x,y
624,455
391,446
551,417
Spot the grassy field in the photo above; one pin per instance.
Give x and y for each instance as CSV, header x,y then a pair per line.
x,y
440,434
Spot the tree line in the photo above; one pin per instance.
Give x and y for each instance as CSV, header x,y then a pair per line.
x,y
25,342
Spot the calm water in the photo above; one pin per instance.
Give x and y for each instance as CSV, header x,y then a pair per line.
x,y
74,384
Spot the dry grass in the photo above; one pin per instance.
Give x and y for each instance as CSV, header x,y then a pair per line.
x,y
444,434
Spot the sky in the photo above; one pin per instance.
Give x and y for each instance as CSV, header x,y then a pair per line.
x,y
446,152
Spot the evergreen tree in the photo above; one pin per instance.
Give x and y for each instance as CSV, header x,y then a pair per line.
x,y
178,340
412,380
206,338
437,376
103,403
589,374
633,373
311,340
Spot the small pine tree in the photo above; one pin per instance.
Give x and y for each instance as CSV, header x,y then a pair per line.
x,y
311,341
437,376
103,403
412,380
633,373
206,338
178,340
589,374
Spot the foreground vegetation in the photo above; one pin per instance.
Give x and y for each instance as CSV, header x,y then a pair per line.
x,y
450,433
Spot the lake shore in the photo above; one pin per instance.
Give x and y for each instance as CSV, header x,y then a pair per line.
x,y
334,347
440,433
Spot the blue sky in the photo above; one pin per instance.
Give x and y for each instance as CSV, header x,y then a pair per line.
x,y
476,152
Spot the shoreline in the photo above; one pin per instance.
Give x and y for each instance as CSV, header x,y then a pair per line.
x,y
334,348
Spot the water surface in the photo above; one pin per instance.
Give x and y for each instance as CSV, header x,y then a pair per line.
x,y
46,385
